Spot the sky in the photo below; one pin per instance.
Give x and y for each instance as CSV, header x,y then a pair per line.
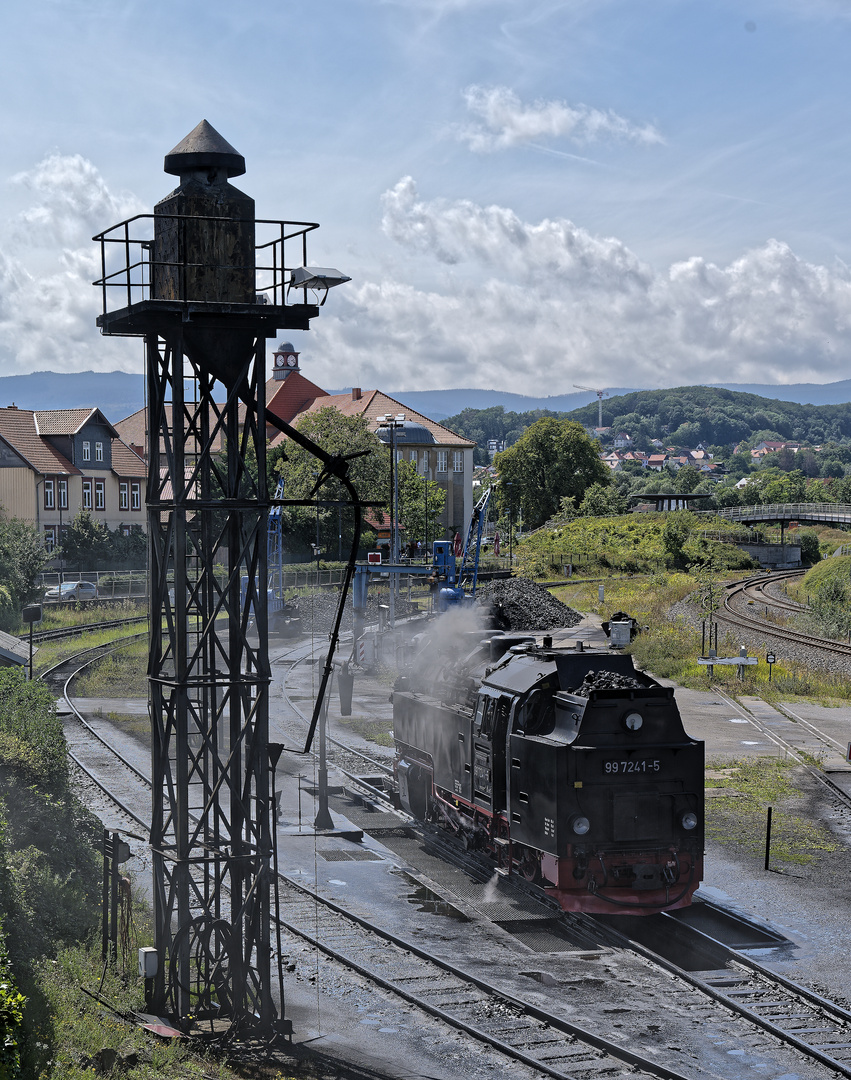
x,y
526,194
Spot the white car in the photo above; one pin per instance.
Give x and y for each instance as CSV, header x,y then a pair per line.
x,y
72,590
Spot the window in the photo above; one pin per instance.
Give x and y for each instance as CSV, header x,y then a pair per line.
x,y
442,455
424,463
135,496
98,451
100,495
49,495
63,494
87,494
126,530
87,450
50,538
457,460
414,458
123,495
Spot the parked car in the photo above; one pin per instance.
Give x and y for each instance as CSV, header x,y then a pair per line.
x,y
72,590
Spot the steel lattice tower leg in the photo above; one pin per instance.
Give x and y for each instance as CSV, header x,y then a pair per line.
x,y
209,679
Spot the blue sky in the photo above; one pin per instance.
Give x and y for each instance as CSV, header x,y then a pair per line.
x,y
525,194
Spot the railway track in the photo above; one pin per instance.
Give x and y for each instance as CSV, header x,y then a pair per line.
x,y
82,628
516,1030
733,617
510,1025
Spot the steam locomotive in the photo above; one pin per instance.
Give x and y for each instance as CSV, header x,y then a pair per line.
x,y
569,767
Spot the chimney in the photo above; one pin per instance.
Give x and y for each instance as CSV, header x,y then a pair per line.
x,y
356,393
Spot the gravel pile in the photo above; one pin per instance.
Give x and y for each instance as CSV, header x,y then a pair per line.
x,y
520,604
606,680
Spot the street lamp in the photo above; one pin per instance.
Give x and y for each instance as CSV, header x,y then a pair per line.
x,y
387,427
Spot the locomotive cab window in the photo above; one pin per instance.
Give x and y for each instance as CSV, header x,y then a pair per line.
x,y
536,716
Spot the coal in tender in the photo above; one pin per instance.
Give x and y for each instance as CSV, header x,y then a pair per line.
x,y
520,604
606,680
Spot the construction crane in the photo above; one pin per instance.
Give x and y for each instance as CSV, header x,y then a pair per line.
x,y
600,395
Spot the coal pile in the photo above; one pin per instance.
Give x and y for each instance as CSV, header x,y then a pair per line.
x,y
520,604
606,680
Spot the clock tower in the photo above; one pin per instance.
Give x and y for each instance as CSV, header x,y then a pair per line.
x,y
284,361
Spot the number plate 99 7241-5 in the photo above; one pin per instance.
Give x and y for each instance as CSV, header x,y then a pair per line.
x,y
626,766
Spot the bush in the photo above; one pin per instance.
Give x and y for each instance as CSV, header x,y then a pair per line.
x,y
31,735
11,1017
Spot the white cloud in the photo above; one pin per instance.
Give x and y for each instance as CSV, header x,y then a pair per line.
x,y
48,305
534,307
505,122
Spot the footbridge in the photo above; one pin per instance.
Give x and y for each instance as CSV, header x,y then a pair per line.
x,y
784,513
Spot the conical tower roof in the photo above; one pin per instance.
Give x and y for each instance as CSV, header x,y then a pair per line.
x,y
202,148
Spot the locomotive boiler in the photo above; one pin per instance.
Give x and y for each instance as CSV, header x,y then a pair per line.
x,y
569,766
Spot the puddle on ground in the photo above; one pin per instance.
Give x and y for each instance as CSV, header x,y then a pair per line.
x,y
424,899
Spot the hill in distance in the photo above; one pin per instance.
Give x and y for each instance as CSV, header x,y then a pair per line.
x,y
119,393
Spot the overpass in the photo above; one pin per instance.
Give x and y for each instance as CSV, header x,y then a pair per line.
x,y
783,513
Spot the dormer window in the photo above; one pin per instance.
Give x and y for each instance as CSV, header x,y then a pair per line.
x,y
98,451
87,450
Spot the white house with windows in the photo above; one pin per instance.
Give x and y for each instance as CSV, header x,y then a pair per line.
x,y
56,462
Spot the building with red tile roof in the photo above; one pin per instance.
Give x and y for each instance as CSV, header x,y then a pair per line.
x,y
439,453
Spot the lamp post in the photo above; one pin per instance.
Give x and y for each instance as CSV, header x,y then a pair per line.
x,y
387,426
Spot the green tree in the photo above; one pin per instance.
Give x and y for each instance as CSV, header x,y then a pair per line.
x,y
687,479
675,535
85,543
22,558
552,460
810,551
370,474
421,503
601,500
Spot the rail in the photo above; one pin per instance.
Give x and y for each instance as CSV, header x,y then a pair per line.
x,y
839,513
128,265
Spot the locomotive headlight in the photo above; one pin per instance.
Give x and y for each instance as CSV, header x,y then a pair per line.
x,y
580,825
633,721
689,820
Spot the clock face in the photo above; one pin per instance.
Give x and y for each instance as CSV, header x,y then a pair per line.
x,y
291,361
279,361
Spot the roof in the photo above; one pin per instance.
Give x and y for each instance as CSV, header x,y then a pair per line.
x,y
375,403
69,421
133,429
18,429
14,650
292,396
126,462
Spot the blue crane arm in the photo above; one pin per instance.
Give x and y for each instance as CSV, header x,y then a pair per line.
x,y
477,522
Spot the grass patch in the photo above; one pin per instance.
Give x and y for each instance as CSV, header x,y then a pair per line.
x,y
670,650
121,674
742,791
375,731
54,652
137,725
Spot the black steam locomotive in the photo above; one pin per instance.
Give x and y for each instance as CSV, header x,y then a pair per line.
x,y
568,766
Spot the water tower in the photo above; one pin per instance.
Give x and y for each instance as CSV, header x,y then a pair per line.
x,y
205,285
